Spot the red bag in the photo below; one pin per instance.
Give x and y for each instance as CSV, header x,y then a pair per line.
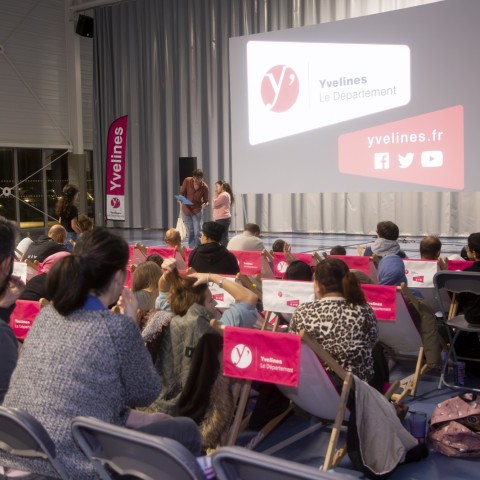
x,y
455,427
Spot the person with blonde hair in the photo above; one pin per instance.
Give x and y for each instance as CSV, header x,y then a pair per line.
x,y
145,284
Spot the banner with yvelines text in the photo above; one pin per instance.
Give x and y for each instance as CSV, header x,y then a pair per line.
x,y
259,355
115,169
383,300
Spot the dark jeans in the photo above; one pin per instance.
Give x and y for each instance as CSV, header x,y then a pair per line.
x,y
226,223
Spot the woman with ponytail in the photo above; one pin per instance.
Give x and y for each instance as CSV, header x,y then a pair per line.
x,y
340,319
82,359
67,213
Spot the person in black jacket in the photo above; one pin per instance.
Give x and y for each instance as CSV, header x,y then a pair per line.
x,y
47,245
210,256
10,288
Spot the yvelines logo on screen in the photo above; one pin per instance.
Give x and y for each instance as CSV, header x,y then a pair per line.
x,y
280,88
294,87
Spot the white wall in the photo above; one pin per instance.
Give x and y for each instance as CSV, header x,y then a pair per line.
x,y
35,67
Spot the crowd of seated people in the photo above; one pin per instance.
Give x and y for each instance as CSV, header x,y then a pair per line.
x,y
174,388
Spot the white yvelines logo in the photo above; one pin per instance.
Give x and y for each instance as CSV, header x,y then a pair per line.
x,y
241,356
295,87
280,88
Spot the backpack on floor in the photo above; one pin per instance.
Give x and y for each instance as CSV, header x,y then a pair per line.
x,y
455,427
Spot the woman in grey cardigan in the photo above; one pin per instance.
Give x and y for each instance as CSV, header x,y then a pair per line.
x,y
81,359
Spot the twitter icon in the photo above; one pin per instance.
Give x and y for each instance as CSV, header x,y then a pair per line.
x,y
404,161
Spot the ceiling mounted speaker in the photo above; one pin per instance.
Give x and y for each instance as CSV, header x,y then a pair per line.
x,y
84,26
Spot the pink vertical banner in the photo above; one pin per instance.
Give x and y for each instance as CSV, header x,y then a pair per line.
x,y
115,169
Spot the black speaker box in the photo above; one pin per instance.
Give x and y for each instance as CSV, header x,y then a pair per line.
x,y
186,165
84,26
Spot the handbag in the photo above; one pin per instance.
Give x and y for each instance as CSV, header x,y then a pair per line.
x,y
181,226
455,427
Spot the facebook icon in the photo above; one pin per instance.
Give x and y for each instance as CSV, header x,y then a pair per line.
x,y
382,161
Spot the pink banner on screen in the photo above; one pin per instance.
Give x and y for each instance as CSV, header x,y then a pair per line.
x,y
280,264
115,169
425,149
259,355
382,299
250,263
23,316
459,264
355,262
164,252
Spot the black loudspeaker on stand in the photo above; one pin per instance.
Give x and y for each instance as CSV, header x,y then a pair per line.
x,y
186,165
84,26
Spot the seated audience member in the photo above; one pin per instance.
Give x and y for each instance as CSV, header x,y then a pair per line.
x,y
247,240
387,241
391,271
81,359
362,277
338,250
188,352
298,270
278,245
340,319
36,287
469,302
210,256
85,223
430,248
156,258
145,284
10,288
242,313
47,245
173,239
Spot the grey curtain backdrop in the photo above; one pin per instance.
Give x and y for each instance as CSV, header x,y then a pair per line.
x,y
164,63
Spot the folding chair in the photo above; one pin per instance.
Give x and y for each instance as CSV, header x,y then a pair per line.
x,y
366,265
22,247
232,463
317,395
129,452
403,341
24,436
420,274
456,282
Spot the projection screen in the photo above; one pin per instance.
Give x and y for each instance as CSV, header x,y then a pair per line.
x,y
381,103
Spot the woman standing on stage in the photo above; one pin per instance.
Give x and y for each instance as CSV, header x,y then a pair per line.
x,y
222,204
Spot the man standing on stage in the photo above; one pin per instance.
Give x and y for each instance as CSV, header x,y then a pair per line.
x,y
195,190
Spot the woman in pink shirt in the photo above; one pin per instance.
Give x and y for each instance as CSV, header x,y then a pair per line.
x,y
222,203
